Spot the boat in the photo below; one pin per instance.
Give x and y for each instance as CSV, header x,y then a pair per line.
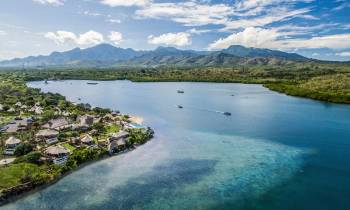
x,y
180,107
92,83
46,82
180,91
227,113
79,99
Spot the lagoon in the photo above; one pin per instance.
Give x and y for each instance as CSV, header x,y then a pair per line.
x,y
273,152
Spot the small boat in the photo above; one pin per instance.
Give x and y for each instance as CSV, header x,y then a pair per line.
x,y
233,95
180,107
180,91
227,113
46,82
79,99
92,83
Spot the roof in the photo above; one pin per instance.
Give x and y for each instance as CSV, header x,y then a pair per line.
x,y
87,139
120,142
56,150
12,140
56,123
120,134
47,132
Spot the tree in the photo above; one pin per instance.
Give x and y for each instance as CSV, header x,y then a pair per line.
x,y
33,157
23,149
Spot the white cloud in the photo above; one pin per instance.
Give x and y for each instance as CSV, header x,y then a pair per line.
x,y
126,3
249,4
88,38
198,31
188,13
240,15
343,54
3,33
274,15
275,39
250,37
113,20
171,39
52,2
115,37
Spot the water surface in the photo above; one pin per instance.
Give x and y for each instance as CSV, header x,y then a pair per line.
x,y
274,152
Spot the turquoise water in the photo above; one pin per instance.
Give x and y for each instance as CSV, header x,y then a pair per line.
x,y
273,152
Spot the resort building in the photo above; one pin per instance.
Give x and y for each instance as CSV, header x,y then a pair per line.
x,y
87,139
10,145
47,135
117,141
57,154
57,124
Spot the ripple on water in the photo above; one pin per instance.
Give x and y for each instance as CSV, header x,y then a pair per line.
x,y
193,171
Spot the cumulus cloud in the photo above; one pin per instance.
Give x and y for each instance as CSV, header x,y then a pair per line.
x,y
277,39
88,38
52,2
171,39
343,54
115,37
126,3
250,37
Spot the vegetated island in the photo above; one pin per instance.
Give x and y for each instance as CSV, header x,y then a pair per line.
x,y
43,136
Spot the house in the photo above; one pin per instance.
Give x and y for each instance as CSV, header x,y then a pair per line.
x,y
47,135
1,107
87,139
11,109
10,145
117,141
18,124
19,104
57,154
57,124
86,120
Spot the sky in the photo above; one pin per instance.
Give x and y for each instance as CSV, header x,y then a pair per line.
x,y
317,29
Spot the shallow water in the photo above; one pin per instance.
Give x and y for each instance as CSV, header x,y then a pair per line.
x,y
274,152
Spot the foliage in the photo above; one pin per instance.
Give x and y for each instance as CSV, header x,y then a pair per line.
x,y
139,136
23,149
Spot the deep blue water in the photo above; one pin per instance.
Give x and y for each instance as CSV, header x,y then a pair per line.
x,y
274,152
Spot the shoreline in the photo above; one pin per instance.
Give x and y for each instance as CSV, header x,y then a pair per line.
x,y
10,198
25,188
269,85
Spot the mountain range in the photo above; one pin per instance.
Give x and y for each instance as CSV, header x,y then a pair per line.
x,y
105,55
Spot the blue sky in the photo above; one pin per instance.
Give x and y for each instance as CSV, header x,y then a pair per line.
x,y
317,29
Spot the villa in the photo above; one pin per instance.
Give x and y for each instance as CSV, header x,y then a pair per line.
x,y
18,124
88,140
47,135
57,154
57,124
117,141
10,145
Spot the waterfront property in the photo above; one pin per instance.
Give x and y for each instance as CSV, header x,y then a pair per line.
x,y
10,145
57,154
47,135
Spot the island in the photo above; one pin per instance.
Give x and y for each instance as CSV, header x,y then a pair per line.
x,y
43,136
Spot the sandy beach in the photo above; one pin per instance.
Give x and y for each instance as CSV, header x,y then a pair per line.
x,y
136,119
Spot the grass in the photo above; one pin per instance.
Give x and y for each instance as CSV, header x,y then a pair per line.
x,y
112,129
68,146
11,175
